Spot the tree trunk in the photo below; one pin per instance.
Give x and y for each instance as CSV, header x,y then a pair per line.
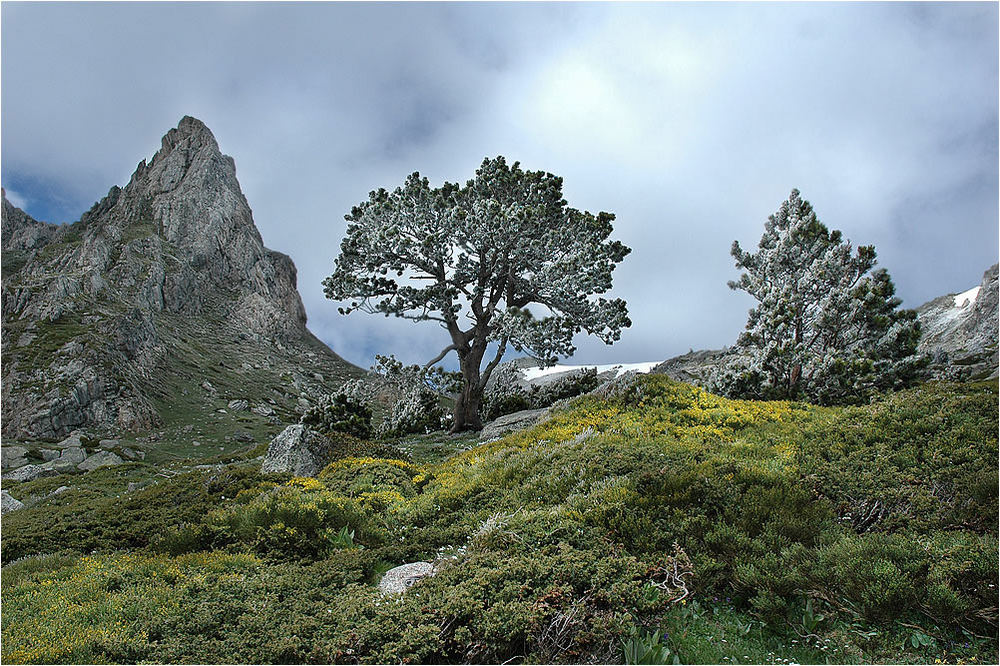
x,y
467,406
467,409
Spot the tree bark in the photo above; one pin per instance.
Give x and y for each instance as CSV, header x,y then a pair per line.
x,y
467,410
466,414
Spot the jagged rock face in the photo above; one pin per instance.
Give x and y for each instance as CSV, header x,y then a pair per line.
x,y
959,332
189,190
92,310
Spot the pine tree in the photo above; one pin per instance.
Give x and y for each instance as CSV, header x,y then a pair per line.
x,y
827,327
473,259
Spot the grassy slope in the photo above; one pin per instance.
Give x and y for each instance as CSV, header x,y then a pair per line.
x,y
803,534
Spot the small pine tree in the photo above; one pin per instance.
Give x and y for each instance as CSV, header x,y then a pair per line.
x,y
826,327
339,413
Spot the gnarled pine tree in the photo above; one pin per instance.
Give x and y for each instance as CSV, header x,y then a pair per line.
x,y
473,259
826,327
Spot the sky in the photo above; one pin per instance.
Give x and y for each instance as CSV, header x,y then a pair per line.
x,y
691,122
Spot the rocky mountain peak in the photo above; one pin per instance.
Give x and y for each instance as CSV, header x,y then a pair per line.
x,y
174,251
192,131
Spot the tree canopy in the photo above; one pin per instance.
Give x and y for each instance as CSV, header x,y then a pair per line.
x,y
826,327
473,259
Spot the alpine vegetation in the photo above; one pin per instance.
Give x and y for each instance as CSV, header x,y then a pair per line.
x,y
827,328
473,259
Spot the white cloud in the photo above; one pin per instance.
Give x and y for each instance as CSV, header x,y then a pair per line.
x,y
691,122
16,199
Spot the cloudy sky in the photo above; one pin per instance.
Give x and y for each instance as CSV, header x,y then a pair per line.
x,y
691,122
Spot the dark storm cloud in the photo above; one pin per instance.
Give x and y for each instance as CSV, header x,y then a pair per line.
x,y
690,122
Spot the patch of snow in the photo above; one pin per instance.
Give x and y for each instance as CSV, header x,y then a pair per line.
x,y
619,368
966,296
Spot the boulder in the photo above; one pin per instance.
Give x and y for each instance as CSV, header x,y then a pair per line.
x,y
512,423
108,444
99,459
8,503
73,454
133,454
243,436
73,441
60,466
27,473
239,405
13,456
50,454
401,578
262,409
298,450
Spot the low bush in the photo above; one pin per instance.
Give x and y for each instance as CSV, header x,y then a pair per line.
x,y
86,520
730,527
508,393
339,414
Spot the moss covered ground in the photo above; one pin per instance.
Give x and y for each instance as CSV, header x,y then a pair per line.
x,y
662,524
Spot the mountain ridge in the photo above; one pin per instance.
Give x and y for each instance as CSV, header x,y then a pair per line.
x,y
95,312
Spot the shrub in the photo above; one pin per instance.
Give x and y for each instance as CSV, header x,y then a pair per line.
x,y
347,446
339,414
553,542
508,393
413,395
296,521
85,520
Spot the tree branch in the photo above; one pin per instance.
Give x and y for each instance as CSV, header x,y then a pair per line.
x,y
444,352
485,377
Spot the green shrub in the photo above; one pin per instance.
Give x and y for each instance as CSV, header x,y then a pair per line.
x,y
508,394
339,414
85,520
344,445
291,522
551,544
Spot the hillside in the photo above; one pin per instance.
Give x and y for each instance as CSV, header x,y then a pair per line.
x,y
155,310
658,523
153,349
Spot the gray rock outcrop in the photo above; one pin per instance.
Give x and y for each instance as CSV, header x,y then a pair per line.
x,y
399,579
513,422
73,454
98,460
262,409
297,450
693,367
8,503
13,456
959,332
26,473
59,466
73,441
